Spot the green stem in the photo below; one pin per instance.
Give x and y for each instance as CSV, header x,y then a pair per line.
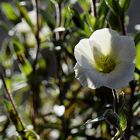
x,y
122,23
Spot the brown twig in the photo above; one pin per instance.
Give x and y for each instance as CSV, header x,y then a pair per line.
x,y
34,104
10,98
93,8
130,111
37,33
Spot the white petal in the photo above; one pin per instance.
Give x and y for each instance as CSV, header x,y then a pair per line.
x,y
97,78
103,37
83,53
123,48
89,77
121,76
80,75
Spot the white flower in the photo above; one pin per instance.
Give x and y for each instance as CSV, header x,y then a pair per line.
x,y
105,59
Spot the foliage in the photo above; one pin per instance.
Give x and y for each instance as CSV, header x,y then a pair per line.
x,y
40,97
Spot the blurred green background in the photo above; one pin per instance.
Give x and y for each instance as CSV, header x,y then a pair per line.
x,y
36,64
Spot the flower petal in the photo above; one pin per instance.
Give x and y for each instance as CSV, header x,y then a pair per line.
x,y
103,37
80,75
89,77
83,53
123,48
121,76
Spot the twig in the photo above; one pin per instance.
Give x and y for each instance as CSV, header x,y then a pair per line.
x,y
122,23
130,112
10,98
34,104
37,33
93,8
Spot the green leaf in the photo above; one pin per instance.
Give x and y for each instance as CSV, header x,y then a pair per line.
x,y
137,38
8,84
25,65
59,1
24,14
124,5
31,135
18,47
10,13
102,14
48,17
114,22
89,23
13,116
123,121
138,56
76,18
113,5
8,105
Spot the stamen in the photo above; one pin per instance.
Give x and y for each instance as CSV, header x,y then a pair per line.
x,y
105,64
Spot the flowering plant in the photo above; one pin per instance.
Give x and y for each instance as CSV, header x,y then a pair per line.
x,y
105,59
46,45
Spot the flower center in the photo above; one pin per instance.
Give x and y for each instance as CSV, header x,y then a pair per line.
x,y
105,64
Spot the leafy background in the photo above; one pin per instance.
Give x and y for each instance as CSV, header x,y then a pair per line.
x,y
36,69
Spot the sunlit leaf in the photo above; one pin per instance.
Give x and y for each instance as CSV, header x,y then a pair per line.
x,y
124,5
10,12
24,14
123,121
137,38
18,47
113,5
102,13
138,56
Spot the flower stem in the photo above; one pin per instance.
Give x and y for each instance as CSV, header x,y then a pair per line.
x,y
10,98
93,8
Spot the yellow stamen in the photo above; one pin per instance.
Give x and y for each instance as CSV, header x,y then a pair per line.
x,y
105,64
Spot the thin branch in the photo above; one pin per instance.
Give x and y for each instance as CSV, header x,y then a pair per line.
x,y
34,104
10,98
130,111
93,8
122,23
37,33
